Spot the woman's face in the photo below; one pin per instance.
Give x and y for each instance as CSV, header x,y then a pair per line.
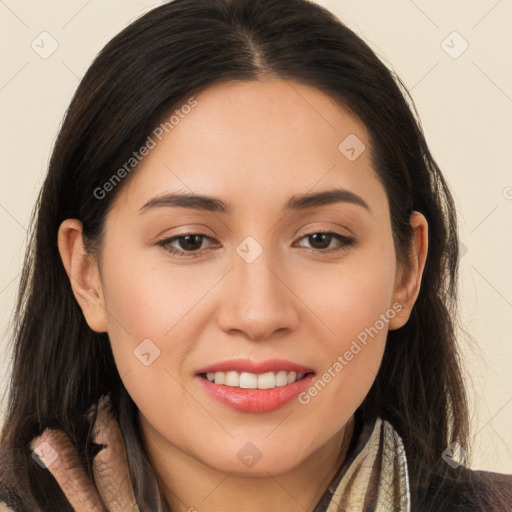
x,y
262,296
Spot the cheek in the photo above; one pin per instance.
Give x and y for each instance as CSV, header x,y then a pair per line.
x,y
355,308
352,357
144,325
149,299
350,299
154,320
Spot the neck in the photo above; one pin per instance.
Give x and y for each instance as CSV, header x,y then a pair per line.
x,y
190,485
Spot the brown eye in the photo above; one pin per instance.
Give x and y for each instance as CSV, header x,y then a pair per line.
x,y
189,244
321,241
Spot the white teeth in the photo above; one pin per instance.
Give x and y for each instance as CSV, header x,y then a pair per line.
x,y
282,378
292,376
267,380
232,379
248,380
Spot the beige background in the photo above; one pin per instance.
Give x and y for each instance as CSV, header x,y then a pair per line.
x,y
465,104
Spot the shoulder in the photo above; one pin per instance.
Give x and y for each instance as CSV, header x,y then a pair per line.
x,y
464,489
5,508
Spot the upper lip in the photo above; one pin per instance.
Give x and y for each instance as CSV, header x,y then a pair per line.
x,y
257,367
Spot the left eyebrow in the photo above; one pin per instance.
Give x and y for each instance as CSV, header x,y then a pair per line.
x,y
337,195
295,203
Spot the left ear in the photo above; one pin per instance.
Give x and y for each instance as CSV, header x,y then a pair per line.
x,y
408,280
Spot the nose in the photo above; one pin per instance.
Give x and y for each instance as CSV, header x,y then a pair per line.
x,y
257,300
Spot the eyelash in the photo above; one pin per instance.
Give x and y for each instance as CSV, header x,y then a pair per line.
x,y
346,241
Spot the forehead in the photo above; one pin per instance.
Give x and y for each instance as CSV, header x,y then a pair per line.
x,y
256,143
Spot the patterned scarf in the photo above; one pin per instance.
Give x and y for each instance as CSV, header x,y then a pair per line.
x,y
374,478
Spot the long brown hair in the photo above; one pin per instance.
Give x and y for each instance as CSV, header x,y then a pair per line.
x,y
61,367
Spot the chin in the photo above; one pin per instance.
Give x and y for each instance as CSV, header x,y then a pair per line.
x,y
257,459
274,465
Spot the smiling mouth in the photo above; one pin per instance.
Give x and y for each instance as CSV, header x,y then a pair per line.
x,y
247,380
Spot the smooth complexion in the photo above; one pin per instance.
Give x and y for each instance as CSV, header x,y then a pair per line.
x,y
253,145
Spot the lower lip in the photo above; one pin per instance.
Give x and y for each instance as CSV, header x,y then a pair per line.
x,y
255,400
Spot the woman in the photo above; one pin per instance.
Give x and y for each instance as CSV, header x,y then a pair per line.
x,y
242,281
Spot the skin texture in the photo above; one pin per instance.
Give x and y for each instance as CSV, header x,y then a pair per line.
x,y
253,145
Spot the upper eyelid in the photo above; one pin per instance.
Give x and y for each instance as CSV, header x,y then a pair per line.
x,y
168,240
204,235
